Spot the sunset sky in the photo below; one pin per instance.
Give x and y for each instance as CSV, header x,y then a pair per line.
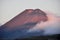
x,y
11,8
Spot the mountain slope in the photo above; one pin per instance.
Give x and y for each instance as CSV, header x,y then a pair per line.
x,y
30,23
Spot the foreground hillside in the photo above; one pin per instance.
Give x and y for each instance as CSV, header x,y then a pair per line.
x,y
48,37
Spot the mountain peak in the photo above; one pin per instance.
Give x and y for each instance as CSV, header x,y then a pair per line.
x,y
27,16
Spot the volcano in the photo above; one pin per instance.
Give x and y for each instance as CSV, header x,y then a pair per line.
x,y
27,16
25,20
18,26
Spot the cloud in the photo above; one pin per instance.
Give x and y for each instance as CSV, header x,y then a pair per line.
x,y
0,24
52,26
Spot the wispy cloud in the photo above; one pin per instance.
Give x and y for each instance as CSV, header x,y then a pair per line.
x,y
52,26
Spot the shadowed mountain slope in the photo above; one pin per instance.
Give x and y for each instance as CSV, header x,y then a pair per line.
x,y
19,25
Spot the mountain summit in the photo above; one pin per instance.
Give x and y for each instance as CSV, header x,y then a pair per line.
x,y
27,16
19,25
29,23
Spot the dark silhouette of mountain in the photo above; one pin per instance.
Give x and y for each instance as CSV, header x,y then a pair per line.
x,y
48,37
19,32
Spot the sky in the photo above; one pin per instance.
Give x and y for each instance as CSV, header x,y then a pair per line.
x,y
11,8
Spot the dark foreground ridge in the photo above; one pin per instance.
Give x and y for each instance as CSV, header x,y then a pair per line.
x,y
47,37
